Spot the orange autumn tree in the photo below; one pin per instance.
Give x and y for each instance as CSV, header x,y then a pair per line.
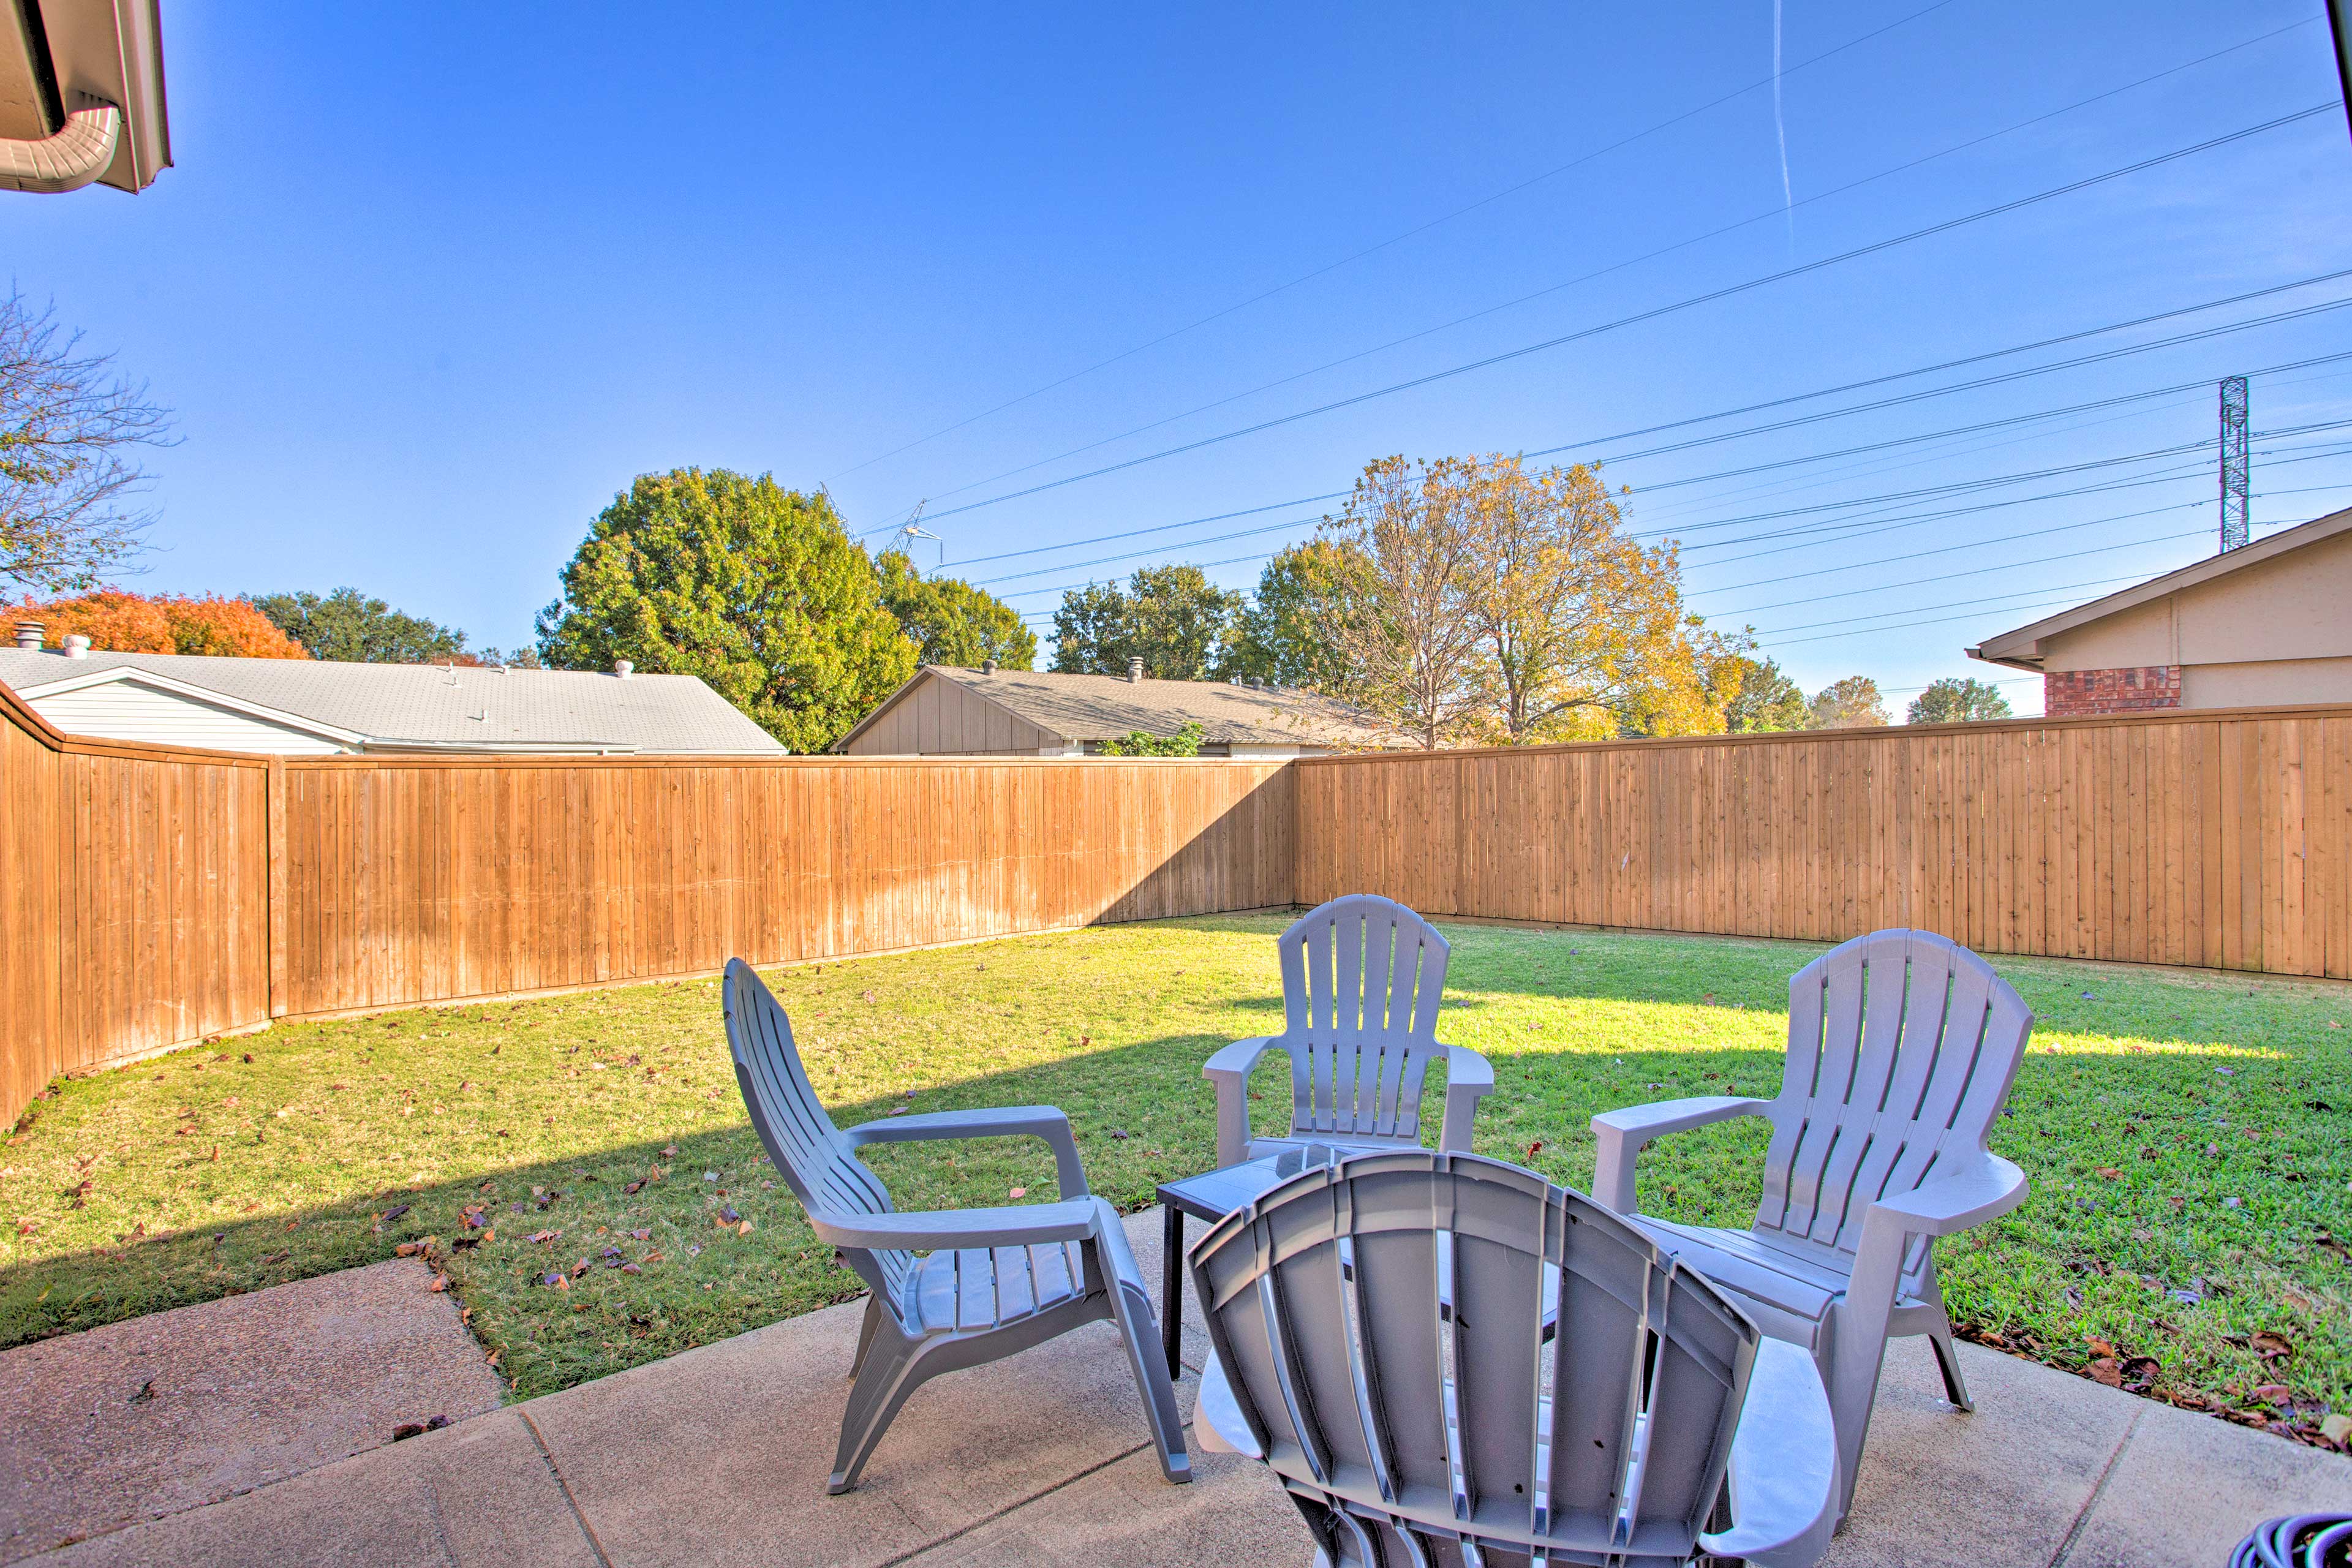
x,y
117,621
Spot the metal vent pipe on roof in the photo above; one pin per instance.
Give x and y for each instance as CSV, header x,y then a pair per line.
x,y
29,636
623,667
77,646
1135,669
988,666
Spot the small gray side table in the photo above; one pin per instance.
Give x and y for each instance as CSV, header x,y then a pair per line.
x,y
1211,1197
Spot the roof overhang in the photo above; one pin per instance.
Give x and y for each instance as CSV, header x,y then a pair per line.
x,y
131,675
2022,649
81,95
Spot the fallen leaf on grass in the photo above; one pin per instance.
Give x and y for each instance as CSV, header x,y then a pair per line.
x,y
2271,1345
2336,1428
1018,1193
2110,1172
2104,1370
405,1250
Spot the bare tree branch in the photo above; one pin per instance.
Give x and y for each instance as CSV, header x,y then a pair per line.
x,y
70,429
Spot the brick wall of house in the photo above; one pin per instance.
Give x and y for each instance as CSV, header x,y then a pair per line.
x,y
2080,693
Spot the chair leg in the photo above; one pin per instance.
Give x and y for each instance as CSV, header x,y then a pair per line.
x,y
866,1327
1131,1311
1948,1362
882,1386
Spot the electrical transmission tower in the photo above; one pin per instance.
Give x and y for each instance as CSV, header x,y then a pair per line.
x,y
2236,521
911,530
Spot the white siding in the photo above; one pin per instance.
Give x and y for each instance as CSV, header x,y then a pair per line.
x,y
122,710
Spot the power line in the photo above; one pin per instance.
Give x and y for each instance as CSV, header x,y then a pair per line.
x,y
1950,576
1946,227
2269,320
2185,471
1956,604
1418,229
1614,266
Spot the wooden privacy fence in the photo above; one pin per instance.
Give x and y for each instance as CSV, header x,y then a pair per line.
x,y
2211,838
153,897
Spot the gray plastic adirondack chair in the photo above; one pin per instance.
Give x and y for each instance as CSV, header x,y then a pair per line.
x,y
1902,1045
1445,1360
1361,977
996,1280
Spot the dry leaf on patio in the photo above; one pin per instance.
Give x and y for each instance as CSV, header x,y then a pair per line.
x,y
440,1283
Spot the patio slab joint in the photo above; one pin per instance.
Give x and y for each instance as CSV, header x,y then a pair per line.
x,y
587,1531
2098,1490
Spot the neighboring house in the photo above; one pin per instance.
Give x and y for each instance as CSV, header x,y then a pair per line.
x,y
319,707
992,712
2263,626
81,95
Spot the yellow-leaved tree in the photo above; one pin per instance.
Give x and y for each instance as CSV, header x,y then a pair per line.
x,y
1584,627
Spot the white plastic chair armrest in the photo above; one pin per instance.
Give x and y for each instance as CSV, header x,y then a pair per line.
x,y
1784,1490
1217,1424
1619,1136
1016,1225
1984,1188
1469,1079
1044,1121
1230,1070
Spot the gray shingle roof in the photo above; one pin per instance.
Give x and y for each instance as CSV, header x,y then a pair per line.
x,y
435,705
1106,707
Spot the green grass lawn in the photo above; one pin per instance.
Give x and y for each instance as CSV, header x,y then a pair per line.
x,y
2184,1134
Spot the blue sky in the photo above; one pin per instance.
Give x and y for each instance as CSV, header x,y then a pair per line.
x,y
428,286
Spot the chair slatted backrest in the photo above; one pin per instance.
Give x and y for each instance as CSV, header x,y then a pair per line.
x,y
1361,977
801,1138
1902,1045
1382,1323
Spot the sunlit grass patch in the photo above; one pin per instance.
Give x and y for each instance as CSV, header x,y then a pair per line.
x,y
598,1139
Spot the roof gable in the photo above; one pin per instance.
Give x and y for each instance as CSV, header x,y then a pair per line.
x,y
2021,648
1093,708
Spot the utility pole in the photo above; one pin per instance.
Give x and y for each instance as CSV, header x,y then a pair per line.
x,y
2236,523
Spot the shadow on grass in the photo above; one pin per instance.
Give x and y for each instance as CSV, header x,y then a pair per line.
x,y
2167,1096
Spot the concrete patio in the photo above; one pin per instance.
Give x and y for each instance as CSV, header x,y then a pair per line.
x,y
719,1456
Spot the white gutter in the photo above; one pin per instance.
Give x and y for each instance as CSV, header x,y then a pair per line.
x,y
67,160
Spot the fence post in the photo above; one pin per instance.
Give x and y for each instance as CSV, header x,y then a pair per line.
x,y
274,855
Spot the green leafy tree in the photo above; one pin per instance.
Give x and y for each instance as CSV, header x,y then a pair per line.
x,y
1756,696
757,589
1287,634
349,625
1184,742
951,621
1957,700
1172,617
1853,703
